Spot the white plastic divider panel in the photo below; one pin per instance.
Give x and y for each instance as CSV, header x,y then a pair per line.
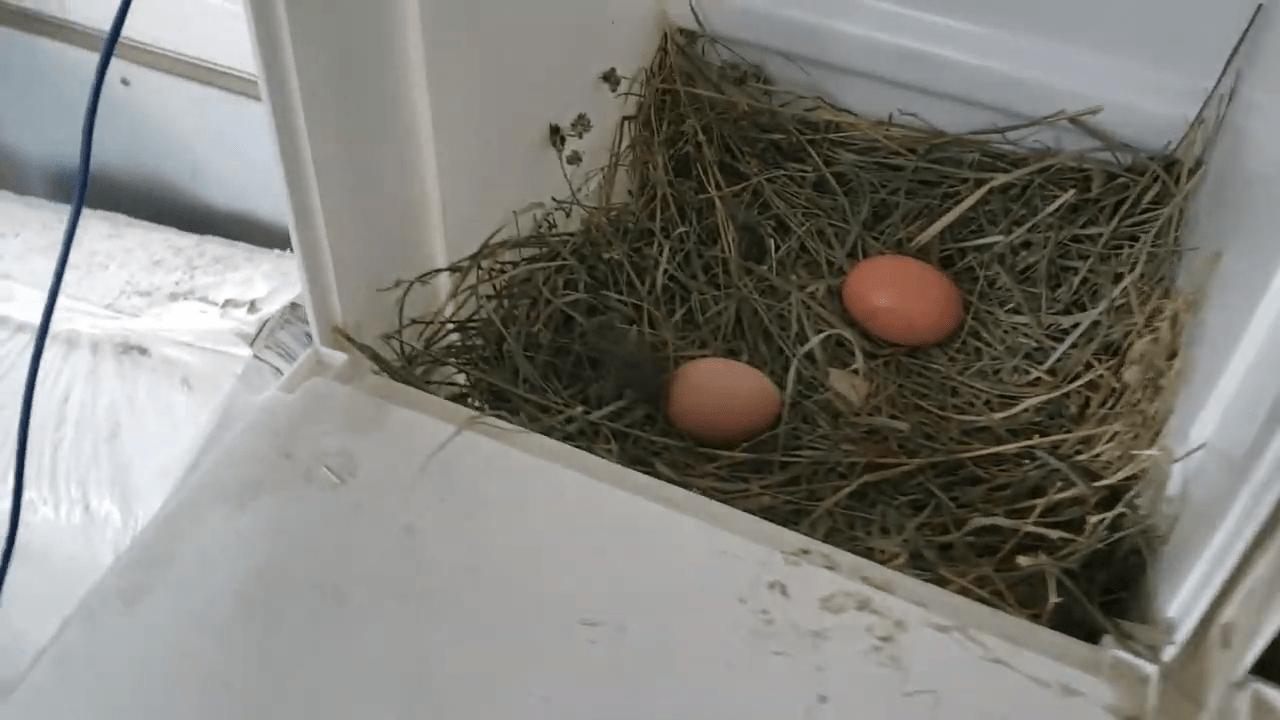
x,y
346,86
411,130
1239,637
1252,700
1229,407
340,556
1263,701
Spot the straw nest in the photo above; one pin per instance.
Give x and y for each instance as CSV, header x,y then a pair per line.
x,y
1007,465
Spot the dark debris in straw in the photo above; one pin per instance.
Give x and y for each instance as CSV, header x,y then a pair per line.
x,y
1006,465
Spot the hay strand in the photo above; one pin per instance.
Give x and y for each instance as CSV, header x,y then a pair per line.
x,y
1006,465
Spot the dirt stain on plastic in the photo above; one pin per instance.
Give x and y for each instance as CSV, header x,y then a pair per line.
x,y
779,588
844,601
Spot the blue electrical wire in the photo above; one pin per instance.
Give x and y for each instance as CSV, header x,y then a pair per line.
x,y
55,285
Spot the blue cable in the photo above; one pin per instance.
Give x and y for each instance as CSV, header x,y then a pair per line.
x,y
55,285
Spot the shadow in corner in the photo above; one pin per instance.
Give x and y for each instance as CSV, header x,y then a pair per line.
x,y
144,200
1268,666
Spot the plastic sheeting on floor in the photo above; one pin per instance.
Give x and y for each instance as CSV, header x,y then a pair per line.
x,y
153,328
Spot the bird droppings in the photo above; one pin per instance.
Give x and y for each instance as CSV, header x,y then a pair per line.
x,y
884,630
778,587
824,560
962,635
823,699
934,696
941,628
809,556
1225,639
886,656
883,586
1001,662
130,348
919,693
843,601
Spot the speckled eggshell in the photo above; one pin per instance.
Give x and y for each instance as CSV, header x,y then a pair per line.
x,y
902,300
722,402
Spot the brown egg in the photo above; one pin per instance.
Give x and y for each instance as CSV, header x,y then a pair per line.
x,y
722,402
903,300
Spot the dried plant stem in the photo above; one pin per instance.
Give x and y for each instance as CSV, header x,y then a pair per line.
x,y
1005,464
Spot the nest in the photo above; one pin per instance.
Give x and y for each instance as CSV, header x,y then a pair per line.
x,y
1008,464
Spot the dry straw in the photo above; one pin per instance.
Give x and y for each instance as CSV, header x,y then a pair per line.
x,y
1007,465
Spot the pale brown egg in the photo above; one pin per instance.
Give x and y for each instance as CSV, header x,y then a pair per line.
x,y
903,300
722,402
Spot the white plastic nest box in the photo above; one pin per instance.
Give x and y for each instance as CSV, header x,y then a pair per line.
x,y
358,549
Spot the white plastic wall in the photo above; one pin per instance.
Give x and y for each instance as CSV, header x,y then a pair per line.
x,y
439,131
1230,402
964,64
